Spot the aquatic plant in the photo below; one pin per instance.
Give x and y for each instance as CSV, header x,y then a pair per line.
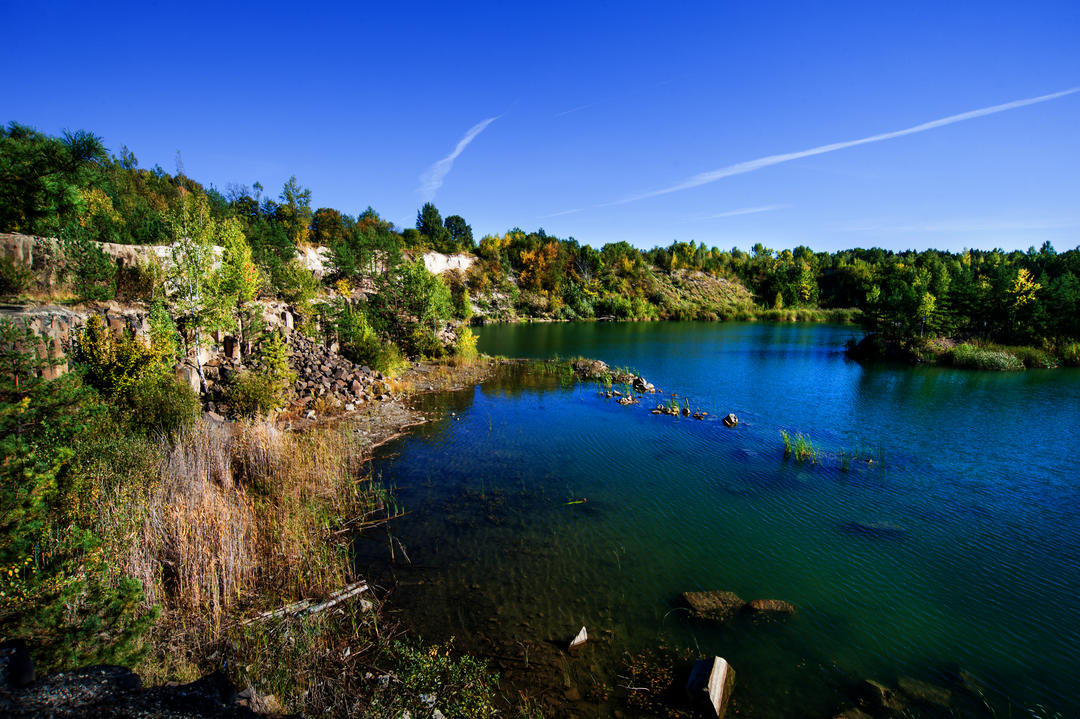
x,y
799,447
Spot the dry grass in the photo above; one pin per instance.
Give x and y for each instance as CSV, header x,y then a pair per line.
x,y
242,521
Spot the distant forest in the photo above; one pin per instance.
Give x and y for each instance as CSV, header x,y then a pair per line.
x,y
71,185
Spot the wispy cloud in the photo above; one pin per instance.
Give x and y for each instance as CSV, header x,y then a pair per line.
x,y
747,211
433,177
564,212
740,168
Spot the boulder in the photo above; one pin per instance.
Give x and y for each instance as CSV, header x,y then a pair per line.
x,y
731,420
770,606
925,692
713,604
878,697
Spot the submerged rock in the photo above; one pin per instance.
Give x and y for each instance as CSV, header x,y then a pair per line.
x,y
770,606
878,697
881,530
925,692
717,604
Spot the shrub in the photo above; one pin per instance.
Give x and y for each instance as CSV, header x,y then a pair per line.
x,y
113,366
92,272
159,405
1070,354
972,357
139,281
252,394
1032,357
465,347
258,393
14,279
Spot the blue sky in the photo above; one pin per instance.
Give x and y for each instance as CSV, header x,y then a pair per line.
x,y
574,116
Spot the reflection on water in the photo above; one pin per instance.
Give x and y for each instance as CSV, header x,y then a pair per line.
x,y
956,549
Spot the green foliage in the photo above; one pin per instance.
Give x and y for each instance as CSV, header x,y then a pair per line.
x,y
59,451
113,366
158,404
410,307
14,278
357,339
259,392
972,357
462,686
1070,354
91,271
135,377
799,447
251,394
465,347
297,286
40,177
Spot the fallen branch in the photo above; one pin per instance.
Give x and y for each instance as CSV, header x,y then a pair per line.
x,y
308,606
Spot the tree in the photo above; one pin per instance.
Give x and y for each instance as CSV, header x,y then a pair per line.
x,y
460,233
294,211
239,279
329,226
428,220
430,224
191,284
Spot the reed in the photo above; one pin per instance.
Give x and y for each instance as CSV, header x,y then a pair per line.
x,y
799,447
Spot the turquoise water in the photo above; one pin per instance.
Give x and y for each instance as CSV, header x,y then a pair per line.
x,y
975,474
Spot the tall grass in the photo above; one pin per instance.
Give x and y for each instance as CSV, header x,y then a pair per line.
x,y
245,519
799,447
972,357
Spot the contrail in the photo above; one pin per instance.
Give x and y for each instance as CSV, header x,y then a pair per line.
x,y
433,177
748,211
705,178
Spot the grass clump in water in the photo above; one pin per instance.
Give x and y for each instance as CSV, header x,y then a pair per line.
x,y
799,447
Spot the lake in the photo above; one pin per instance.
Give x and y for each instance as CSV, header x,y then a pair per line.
x,y
953,557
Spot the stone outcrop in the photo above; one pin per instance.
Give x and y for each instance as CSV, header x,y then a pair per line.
x,y
437,263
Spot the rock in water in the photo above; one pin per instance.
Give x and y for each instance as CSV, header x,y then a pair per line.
x,y
713,605
581,638
925,692
715,678
770,606
881,530
731,420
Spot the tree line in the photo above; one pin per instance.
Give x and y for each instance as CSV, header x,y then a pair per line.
x,y
71,186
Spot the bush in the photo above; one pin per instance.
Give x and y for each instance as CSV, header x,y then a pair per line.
x,y
258,393
1032,357
465,347
159,405
92,272
14,279
972,357
1070,354
463,686
357,339
252,394
139,281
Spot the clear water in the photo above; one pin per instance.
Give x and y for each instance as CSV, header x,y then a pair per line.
x,y
976,471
